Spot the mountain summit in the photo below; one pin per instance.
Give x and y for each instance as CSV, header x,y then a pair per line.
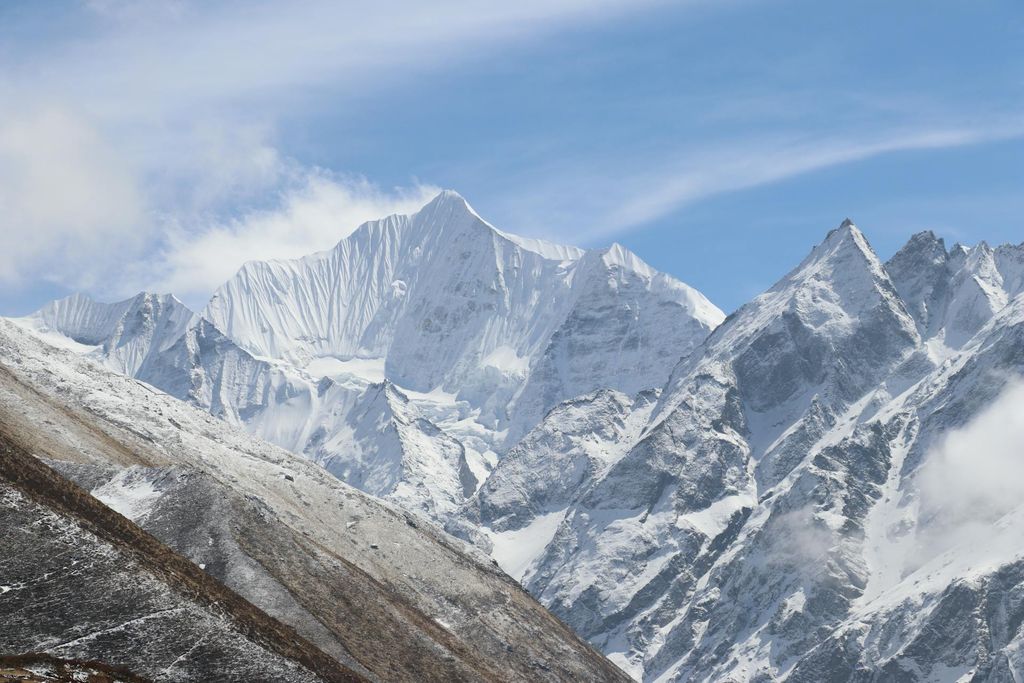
x,y
765,520
481,330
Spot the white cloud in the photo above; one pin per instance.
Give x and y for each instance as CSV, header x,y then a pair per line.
x,y
70,207
313,215
211,164
802,541
272,53
166,114
974,478
963,510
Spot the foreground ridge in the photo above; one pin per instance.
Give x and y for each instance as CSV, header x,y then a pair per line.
x,y
376,589
148,563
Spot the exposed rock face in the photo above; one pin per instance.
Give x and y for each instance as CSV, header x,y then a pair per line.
x,y
374,588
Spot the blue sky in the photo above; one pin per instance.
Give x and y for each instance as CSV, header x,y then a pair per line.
x,y
159,145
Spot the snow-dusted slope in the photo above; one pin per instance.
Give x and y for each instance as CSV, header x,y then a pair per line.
x,y
758,525
86,588
364,580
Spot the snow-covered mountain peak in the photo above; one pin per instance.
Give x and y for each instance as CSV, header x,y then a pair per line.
x,y
839,281
450,216
91,322
617,264
953,294
959,249
453,198
918,271
438,296
617,256
385,399
845,241
125,333
346,302
839,299
449,210
925,241
449,205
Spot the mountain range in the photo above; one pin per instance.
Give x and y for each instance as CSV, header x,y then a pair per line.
x,y
817,487
445,336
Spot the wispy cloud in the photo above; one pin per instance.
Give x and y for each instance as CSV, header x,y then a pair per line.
x,y
317,211
171,57
767,162
148,130
967,495
615,201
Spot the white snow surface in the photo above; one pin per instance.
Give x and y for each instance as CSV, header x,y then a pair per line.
x,y
445,301
123,335
516,550
131,495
